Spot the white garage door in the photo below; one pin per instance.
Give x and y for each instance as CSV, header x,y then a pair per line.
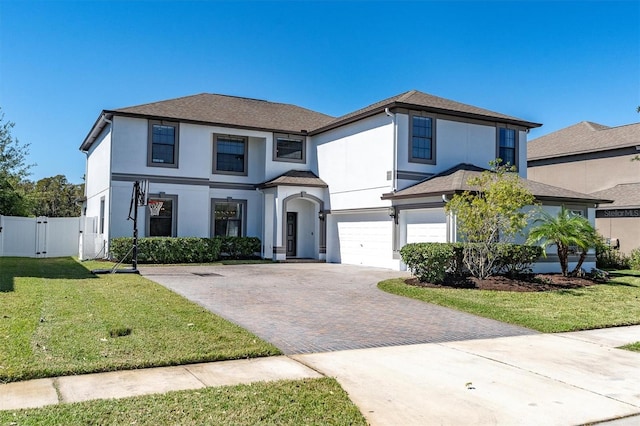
x,y
363,240
426,233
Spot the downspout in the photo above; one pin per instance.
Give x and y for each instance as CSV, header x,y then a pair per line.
x,y
395,243
394,172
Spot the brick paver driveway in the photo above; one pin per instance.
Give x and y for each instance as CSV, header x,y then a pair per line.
x,y
321,307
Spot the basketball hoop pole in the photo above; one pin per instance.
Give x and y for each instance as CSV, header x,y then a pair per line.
x,y
137,196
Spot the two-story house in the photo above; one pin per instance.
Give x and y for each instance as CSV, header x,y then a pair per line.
x,y
352,189
597,160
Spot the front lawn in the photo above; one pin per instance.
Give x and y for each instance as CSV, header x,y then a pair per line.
x,y
612,304
301,402
56,318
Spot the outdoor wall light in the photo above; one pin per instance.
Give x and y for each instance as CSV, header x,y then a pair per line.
x,y
392,211
321,215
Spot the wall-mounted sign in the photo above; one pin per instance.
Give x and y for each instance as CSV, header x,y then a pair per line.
x,y
613,213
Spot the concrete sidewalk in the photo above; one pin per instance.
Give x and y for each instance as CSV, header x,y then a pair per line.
x,y
122,384
551,379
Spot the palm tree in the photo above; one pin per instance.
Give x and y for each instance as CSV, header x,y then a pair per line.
x,y
565,230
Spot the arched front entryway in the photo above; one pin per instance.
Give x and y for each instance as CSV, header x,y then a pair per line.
x,y
303,227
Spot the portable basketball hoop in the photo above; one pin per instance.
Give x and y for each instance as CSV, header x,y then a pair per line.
x,y
139,198
155,207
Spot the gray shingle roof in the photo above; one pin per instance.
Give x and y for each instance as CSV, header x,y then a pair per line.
x,y
623,195
455,180
233,111
296,178
583,137
415,99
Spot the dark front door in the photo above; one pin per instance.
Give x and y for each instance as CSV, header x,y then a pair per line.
x,y
292,226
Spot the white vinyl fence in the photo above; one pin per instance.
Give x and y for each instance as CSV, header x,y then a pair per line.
x,y
40,236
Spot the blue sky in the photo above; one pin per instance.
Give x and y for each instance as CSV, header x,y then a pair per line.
x,y
556,63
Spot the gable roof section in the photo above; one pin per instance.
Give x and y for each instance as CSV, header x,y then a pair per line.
x,y
454,180
582,138
295,178
624,195
417,100
232,111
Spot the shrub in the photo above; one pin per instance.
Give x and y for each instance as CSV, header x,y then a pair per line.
x,y
634,259
610,258
429,262
168,250
433,262
516,259
239,247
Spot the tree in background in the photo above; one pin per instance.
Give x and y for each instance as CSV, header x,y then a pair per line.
x,y
565,230
490,213
13,171
56,197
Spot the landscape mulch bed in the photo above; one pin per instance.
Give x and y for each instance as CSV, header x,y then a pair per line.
x,y
539,282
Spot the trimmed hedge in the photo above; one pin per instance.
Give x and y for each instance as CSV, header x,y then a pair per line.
x,y
429,262
433,262
184,249
239,247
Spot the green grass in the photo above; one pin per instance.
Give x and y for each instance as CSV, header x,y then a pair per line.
x,y
632,347
56,318
303,402
612,304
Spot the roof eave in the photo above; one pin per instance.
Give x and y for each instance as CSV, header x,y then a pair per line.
x,y
301,132
586,151
396,104
394,196
97,128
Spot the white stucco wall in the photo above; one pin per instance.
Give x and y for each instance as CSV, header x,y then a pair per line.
x,y
354,160
97,183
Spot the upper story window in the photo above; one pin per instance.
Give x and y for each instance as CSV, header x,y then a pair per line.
x,y
230,154
163,144
291,148
422,147
508,146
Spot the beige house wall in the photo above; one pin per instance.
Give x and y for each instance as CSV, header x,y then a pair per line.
x,y
589,175
625,229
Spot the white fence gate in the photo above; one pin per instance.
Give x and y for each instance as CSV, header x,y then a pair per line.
x,y
39,236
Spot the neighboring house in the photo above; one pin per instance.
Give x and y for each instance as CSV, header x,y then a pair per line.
x,y
597,160
352,189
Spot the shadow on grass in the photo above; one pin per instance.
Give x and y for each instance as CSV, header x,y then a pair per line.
x,y
617,274
50,268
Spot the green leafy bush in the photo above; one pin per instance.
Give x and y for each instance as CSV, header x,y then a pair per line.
x,y
239,247
429,262
434,262
514,259
610,258
634,259
185,249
